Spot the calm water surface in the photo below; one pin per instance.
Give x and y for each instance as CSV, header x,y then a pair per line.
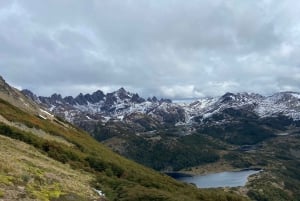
x,y
222,179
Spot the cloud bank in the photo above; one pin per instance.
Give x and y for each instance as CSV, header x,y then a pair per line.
x,y
171,48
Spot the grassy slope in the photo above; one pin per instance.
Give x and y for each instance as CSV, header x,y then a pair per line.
x,y
119,178
25,173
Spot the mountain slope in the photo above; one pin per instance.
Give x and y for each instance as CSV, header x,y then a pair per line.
x,y
15,97
25,173
119,178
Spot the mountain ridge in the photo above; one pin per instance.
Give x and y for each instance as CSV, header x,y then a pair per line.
x,y
116,105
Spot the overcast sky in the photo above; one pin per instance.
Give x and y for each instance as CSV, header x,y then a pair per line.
x,y
167,48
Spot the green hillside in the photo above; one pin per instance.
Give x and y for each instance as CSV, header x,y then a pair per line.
x,y
80,164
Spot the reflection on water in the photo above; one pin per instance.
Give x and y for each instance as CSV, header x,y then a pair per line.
x,y
222,179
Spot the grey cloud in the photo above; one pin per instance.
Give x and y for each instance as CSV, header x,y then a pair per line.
x,y
165,48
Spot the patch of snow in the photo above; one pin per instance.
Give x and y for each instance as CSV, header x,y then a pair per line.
x,y
44,111
184,101
100,193
68,116
207,115
41,116
232,97
296,95
106,119
121,117
52,108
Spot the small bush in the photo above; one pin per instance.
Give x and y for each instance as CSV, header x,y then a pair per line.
x,y
96,163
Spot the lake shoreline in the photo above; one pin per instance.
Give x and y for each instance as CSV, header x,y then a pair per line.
x,y
216,167
191,174
224,179
177,174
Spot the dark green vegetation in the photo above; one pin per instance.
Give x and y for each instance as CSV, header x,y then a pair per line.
x,y
271,143
245,141
119,178
244,127
167,148
280,159
172,154
175,148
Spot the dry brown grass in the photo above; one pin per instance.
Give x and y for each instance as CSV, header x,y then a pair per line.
x,y
26,173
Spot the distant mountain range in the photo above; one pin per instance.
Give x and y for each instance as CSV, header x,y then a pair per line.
x,y
122,105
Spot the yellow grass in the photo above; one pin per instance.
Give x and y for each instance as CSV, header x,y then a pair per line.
x,y
26,173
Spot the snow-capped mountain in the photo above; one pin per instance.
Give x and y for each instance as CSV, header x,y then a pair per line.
x,y
124,106
102,107
283,103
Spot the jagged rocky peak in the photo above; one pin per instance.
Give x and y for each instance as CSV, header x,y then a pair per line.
x,y
123,94
70,100
2,81
137,99
153,99
80,99
156,100
98,96
121,90
110,99
93,98
56,97
4,87
165,100
29,94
